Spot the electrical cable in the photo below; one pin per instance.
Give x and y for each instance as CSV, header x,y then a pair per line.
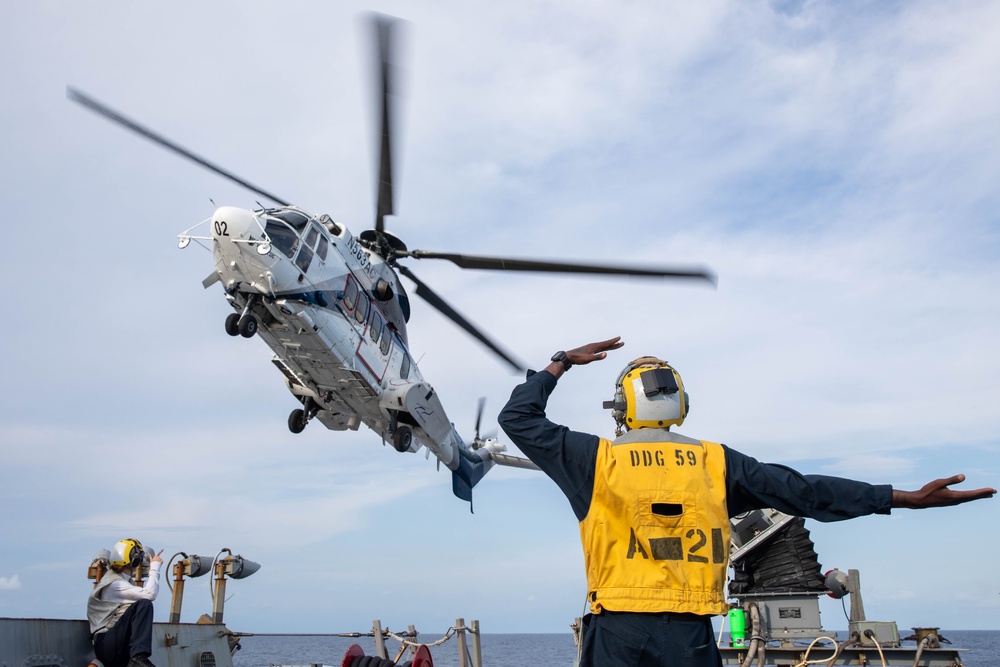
x,y
825,661
871,636
215,560
167,574
920,649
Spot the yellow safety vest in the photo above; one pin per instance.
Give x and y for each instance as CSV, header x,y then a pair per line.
x,y
656,537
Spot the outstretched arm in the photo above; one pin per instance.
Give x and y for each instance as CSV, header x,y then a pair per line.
x,y
564,455
937,494
583,355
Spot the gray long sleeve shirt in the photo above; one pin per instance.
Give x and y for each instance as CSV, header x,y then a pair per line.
x,y
569,458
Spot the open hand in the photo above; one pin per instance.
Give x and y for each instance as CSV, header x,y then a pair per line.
x,y
585,354
937,494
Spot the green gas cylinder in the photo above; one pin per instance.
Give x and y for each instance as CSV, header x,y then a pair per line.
x,y
737,627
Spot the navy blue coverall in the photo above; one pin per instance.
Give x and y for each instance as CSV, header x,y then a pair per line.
x,y
666,639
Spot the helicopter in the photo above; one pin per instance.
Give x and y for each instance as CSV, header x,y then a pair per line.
x,y
332,308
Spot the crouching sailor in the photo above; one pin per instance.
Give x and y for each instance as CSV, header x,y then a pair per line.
x,y
121,613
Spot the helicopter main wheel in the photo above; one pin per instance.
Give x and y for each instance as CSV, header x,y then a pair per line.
x,y
233,324
297,420
248,326
402,438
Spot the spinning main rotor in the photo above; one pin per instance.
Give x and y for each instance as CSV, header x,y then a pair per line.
x,y
377,239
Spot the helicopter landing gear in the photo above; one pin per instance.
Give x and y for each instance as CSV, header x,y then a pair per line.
x,y
297,420
243,323
402,438
233,324
299,417
248,326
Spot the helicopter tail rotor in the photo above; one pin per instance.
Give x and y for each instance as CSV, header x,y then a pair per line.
x,y
476,441
485,452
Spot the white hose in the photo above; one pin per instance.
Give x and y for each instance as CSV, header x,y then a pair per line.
x,y
827,661
871,636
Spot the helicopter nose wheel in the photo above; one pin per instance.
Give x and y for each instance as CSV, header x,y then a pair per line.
x,y
247,326
244,323
233,324
241,326
402,438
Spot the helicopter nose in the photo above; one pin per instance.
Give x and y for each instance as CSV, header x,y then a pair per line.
x,y
230,222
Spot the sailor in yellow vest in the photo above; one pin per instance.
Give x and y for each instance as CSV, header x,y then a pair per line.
x,y
654,509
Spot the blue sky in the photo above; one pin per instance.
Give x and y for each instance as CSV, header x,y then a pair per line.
x,y
835,163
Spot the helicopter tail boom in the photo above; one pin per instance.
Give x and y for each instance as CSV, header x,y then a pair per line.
x,y
475,463
472,467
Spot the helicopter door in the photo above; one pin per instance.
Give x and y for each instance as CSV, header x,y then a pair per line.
x,y
375,340
306,252
375,345
322,247
314,243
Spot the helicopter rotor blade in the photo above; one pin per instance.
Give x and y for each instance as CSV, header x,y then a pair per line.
x,y
385,86
115,117
431,297
510,264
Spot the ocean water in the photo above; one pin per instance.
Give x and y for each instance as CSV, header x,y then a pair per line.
x,y
983,645
501,650
498,650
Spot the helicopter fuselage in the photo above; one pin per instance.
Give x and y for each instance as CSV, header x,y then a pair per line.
x,y
334,314
331,307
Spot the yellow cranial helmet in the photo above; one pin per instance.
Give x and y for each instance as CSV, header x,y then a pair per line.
x,y
128,552
649,393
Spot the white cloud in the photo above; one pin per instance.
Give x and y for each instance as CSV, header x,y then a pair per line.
x,y
836,167
10,583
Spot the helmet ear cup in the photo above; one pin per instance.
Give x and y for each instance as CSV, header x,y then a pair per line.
x,y
619,411
649,393
138,553
128,553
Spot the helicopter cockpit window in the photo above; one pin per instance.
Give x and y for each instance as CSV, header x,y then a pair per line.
x,y
350,294
304,258
282,237
404,368
321,248
404,301
311,237
293,218
361,312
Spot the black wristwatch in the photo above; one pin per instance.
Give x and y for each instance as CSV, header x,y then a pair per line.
x,y
561,356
